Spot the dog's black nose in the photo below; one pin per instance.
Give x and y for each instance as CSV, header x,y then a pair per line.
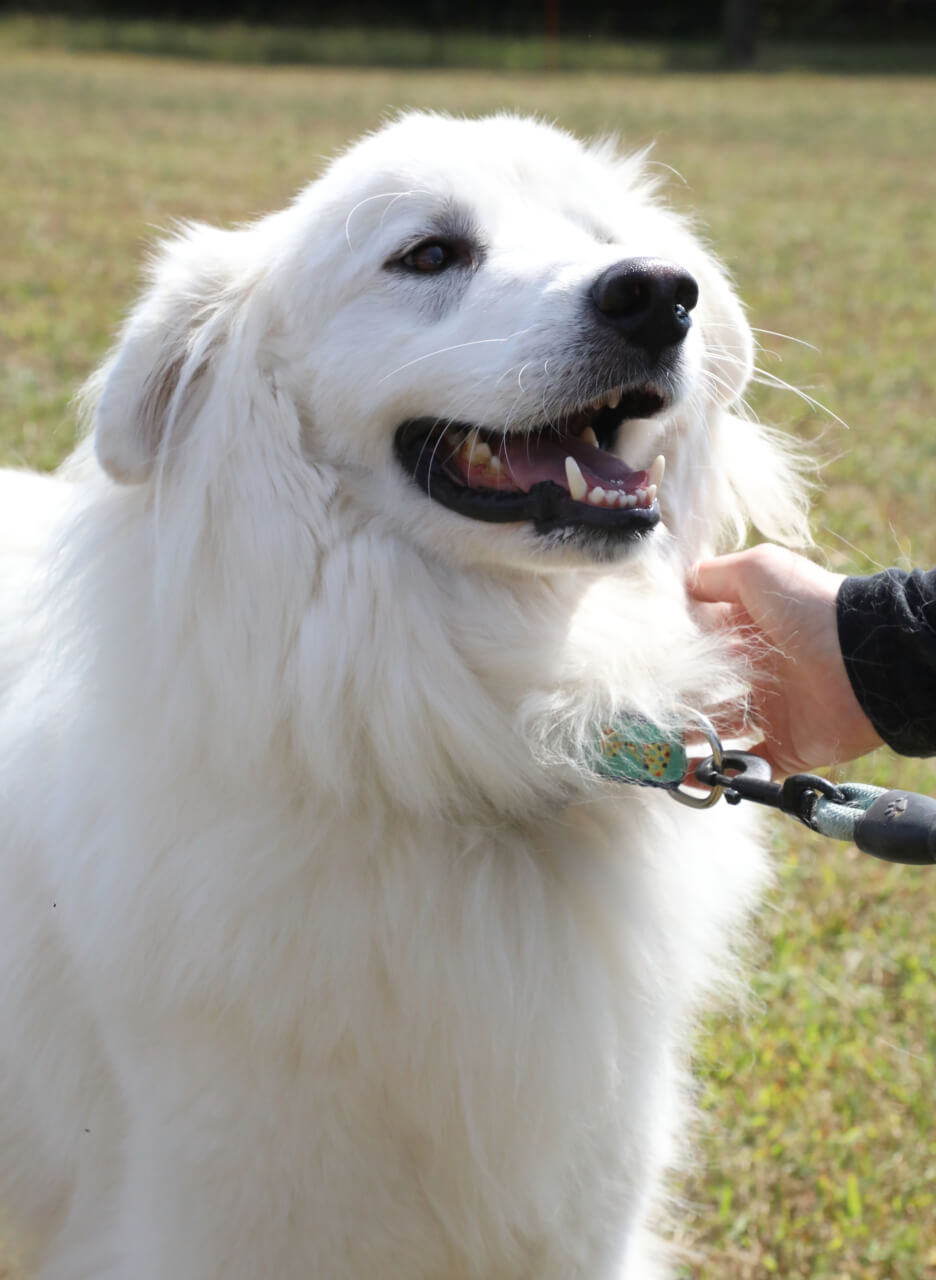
x,y
648,301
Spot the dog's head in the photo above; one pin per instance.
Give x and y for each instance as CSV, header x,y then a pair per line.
x,y
480,332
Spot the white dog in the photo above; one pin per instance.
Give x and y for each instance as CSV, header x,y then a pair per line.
x,y
324,952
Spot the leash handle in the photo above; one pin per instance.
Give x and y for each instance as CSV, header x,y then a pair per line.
x,y
898,826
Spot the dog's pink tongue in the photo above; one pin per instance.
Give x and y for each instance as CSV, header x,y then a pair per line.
x,y
527,461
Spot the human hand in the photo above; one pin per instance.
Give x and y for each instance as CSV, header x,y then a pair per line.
x,y
780,609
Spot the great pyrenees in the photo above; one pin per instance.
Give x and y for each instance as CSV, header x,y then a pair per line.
x,y
325,953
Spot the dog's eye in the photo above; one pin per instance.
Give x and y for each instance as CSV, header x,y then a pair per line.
x,y
430,257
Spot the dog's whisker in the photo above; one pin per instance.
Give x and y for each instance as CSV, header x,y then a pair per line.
x,y
788,337
441,351
772,333
507,372
661,164
765,378
402,195
768,379
442,428
712,380
440,437
383,195
545,378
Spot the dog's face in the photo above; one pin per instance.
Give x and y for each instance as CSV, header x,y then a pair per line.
x,y
490,333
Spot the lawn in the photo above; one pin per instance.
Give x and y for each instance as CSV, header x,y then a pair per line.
x,y
818,1156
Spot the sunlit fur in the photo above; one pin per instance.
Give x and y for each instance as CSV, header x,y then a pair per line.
x,y
321,953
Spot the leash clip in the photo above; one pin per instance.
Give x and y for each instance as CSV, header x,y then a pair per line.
x,y
745,776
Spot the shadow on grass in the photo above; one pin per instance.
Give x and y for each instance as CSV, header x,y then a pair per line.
x,y
236,42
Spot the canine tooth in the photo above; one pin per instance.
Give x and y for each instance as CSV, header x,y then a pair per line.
x,y
482,452
495,464
576,481
657,467
588,435
596,496
614,398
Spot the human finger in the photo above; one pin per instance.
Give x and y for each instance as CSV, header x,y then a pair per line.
x,y
717,580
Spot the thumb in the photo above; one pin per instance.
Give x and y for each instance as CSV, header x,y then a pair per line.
x,y
717,580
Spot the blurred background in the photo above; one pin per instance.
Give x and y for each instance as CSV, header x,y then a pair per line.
x,y
803,134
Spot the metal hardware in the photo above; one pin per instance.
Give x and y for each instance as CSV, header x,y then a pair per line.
x,y
895,826
717,759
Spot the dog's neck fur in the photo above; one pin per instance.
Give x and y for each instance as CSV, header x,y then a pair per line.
x,y
498,681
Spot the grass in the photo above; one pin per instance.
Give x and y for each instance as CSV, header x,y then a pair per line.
x,y
819,1158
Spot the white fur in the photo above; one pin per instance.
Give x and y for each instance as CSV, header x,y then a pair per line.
x,y
320,953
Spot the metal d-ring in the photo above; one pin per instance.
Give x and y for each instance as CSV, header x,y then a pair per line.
x,y
718,758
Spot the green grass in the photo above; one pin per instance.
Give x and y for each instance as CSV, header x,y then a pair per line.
x,y
819,1158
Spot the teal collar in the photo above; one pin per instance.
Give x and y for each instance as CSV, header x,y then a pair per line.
x,y
631,749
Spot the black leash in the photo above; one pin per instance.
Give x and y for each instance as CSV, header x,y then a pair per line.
x,y
896,826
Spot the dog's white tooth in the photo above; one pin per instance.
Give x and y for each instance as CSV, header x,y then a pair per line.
x,y
596,496
482,452
630,500
614,496
642,497
588,435
575,480
651,493
655,472
495,464
614,398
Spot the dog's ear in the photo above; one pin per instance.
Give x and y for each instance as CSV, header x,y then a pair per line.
x,y
147,395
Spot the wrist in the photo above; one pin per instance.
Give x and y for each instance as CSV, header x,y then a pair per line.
x,y
883,640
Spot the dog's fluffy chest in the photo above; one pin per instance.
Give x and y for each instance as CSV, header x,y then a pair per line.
x,y
375,944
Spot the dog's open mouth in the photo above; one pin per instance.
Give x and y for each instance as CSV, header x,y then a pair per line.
x,y
558,475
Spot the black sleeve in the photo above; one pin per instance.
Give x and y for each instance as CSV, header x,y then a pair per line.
x,y
887,631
